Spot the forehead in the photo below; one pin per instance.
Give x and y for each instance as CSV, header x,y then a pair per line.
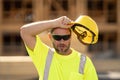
x,y
61,31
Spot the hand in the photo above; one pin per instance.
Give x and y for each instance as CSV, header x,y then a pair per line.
x,y
63,22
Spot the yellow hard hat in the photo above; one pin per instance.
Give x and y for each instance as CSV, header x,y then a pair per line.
x,y
86,29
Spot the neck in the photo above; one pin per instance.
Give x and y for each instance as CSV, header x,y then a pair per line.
x,y
65,53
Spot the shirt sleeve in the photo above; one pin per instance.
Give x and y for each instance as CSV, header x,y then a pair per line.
x,y
38,54
90,72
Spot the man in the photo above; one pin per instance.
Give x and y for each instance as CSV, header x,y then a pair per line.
x,y
64,62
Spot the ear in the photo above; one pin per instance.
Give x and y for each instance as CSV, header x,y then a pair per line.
x,y
49,35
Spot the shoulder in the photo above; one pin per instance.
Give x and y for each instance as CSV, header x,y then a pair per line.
x,y
83,56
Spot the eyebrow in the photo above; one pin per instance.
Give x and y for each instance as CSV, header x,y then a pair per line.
x,y
52,30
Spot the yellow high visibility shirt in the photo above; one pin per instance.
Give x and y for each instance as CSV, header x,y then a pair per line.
x,y
62,67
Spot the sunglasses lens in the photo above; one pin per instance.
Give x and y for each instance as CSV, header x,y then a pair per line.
x,y
66,37
59,37
56,37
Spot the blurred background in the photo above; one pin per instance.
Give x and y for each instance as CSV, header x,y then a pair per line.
x,y
15,64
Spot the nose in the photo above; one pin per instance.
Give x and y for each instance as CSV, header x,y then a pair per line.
x,y
61,41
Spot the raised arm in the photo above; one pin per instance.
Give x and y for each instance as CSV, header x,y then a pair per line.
x,y
29,31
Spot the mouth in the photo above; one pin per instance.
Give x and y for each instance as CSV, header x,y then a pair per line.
x,y
61,46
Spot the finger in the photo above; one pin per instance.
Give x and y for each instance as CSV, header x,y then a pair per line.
x,y
67,21
71,23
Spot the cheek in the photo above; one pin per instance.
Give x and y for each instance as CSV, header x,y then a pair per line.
x,y
55,42
68,41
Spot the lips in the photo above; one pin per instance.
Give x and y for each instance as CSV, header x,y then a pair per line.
x,y
62,45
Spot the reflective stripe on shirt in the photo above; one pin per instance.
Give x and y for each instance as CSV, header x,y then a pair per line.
x,y
82,64
48,63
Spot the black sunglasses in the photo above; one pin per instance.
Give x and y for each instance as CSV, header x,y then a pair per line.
x,y
59,37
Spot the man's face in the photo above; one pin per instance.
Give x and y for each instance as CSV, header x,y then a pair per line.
x,y
61,40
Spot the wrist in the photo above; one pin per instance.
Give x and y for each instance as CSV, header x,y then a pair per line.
x,y
55,23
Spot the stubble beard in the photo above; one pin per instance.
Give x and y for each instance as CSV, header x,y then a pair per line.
x,y
61,48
